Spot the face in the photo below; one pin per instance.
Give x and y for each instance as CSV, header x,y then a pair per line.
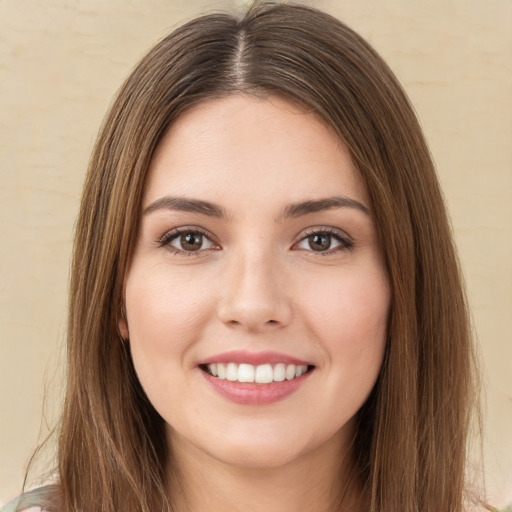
x,y
256,299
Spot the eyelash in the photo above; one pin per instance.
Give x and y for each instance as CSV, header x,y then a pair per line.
x,y
345,243
170,236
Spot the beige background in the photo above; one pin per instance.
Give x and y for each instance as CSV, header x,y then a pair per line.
x,y
62,60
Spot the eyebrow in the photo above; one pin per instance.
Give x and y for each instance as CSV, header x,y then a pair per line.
x,y
307,207
185,204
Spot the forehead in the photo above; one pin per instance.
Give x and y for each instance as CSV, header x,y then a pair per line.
x,y
258,148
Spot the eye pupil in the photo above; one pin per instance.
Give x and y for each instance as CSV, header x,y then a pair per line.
x,y
319,242
191,241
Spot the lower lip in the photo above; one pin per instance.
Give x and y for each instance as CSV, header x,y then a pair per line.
x,y
255,394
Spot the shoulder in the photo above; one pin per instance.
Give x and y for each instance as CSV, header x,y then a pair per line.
x,y
483,507
30,501
508,508
12,507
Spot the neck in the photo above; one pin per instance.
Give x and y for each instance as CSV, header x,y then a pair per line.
x,y
317,481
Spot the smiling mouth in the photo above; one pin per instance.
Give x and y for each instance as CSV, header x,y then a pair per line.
x,y
260,374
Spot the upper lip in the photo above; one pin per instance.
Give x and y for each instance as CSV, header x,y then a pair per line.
x,y
253,358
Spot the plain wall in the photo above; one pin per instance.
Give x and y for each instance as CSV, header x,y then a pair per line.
x,y
61,61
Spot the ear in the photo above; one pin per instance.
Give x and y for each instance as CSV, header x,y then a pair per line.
x,y
122,324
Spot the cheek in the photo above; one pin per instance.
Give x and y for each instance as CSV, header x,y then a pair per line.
x,y
166,314
350,309
347,316
163,304
349,319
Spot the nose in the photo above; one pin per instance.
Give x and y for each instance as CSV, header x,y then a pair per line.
x,y
254,295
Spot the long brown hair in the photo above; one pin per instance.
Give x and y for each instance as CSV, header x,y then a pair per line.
x,y
410,448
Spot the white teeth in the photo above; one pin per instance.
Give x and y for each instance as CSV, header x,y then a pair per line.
x,y
290,372
300,370
246,373
279,372
264,374
261,374
231,372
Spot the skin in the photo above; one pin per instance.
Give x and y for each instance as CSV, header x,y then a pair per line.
x,y
256,284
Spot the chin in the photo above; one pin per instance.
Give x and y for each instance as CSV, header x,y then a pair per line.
x,y
273,448
258,457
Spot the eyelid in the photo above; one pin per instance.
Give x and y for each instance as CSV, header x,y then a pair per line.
x,y
165,240
345,240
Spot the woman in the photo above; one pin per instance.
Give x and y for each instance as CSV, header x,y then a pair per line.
x,y
266,310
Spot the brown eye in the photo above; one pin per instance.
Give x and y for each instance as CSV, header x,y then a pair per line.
x,y
319,242
189,241
324,242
